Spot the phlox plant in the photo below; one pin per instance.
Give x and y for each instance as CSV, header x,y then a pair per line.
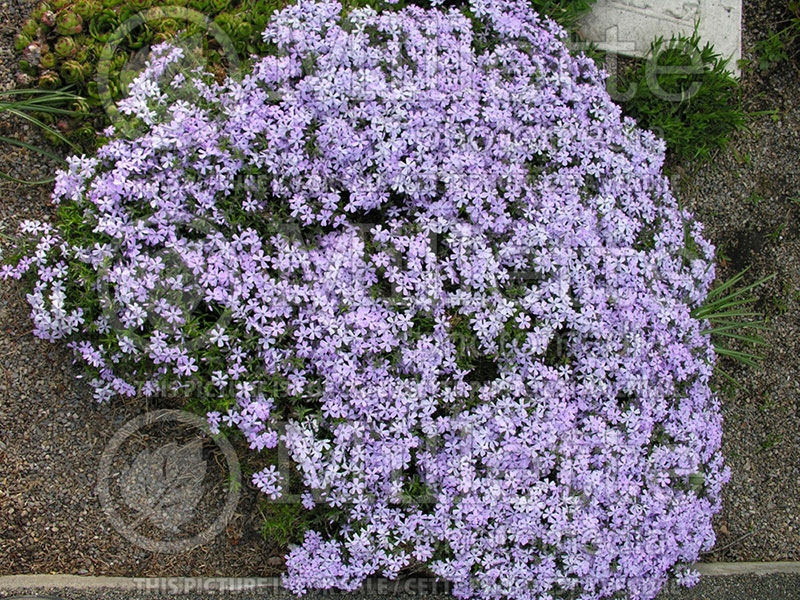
x,y
423,250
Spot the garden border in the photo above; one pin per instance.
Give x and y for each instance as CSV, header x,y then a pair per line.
x,y
248,584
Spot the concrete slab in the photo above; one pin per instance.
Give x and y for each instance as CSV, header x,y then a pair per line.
x,y
628,27
719,581
778,586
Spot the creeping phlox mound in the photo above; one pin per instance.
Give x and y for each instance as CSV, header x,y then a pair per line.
x,y
424,251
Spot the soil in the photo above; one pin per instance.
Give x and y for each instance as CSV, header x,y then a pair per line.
x,y
53,433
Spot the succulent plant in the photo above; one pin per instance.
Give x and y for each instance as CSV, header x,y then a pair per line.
x,y
24,80
167,26
49,80
80,105
119,60
22,41
86,53
68,23
244,31
47,60
208,6
86,9
86,135
126,11
103,25
32,54
30,27
73,72
38,12
235,26
217,6
65,47
63,42
139,37
92,92
59,5
114,86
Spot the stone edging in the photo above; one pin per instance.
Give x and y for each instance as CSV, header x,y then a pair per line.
x,y
187,584
741,568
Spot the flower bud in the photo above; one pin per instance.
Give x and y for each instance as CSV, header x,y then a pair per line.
x,y
32,54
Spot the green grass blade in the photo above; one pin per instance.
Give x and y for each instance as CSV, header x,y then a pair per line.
x,y
717,290
727,310
8,177
41,108
738,315
44,126
755,341
734,325
31,147
743,357
39,92
727,376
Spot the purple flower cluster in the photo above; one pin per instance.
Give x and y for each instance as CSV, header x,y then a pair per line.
x,y
429,242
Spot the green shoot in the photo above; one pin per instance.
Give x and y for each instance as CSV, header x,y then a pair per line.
x,y
728,310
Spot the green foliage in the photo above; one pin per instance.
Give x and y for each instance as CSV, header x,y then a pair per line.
x,y
282,523
773,49
684,93
41,108
564,12
780,45
731,318
285,523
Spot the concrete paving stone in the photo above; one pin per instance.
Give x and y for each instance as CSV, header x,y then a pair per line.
x,y
628,27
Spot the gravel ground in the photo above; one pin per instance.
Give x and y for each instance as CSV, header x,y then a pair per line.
x,y
53,433
749,199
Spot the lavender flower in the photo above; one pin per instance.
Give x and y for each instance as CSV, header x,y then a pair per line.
x,y
498,375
